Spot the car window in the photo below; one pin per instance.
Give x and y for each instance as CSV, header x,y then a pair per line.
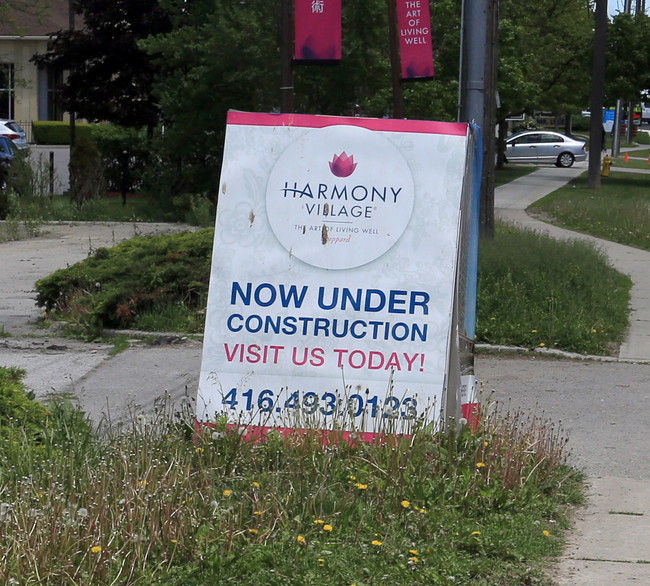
x,y
551,138
15,127
531,138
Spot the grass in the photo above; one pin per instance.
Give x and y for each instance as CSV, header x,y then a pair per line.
x,y
533,291
510,173
619,211
637,160
105,209
154,503
538,292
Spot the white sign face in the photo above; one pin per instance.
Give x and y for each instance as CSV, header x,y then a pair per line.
x,y
339,212
333,272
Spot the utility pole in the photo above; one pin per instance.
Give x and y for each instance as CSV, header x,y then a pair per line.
x,y
73,117
286,58
477,96
597,92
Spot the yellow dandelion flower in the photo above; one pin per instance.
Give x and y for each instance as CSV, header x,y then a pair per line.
x,y
486,444
258,512
476,532
594,330
406,504
534,331
227,492
256,484
493,318
414,559
327,528
253,531
96,548
319,521
353,478
541,344
480,464
376,542
174,540
361,486
198,450
413,551
423,511
546,533
300,539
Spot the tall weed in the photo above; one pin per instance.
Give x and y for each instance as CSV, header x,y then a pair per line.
x,y
149,500
535,291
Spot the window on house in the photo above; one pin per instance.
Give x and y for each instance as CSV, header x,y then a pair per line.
x,y
6,90
49,94
54,82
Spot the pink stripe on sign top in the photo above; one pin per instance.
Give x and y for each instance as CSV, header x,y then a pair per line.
x,y
380,124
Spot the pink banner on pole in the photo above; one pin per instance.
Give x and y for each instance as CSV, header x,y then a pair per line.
x,y
318,30
414,29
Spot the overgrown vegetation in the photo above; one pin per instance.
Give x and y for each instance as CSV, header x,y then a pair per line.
x,y
153,503
120,286
619,211
535,291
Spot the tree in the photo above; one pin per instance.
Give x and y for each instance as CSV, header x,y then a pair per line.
x,y
218,56
544,58
109,76
628,57
544,55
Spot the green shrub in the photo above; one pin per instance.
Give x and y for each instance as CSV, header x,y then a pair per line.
x,y
114,286
117,142
196,210
581,124
57,133
18,410
20,176
86,171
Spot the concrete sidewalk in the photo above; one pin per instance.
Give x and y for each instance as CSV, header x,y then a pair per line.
x,y
610,544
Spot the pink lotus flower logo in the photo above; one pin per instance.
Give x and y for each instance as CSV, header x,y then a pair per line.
x,y
342,165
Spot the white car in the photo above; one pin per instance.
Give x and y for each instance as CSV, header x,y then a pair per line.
x,y
544,146
12,130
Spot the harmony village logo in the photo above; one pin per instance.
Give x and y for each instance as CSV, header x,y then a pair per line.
x,y
337,211
342,165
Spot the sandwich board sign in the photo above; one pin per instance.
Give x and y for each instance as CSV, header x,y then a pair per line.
x,y
334,276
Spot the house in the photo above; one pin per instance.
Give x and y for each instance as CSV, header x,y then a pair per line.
x,y
28,92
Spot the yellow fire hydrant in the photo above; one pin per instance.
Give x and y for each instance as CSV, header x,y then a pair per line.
x,y
607,163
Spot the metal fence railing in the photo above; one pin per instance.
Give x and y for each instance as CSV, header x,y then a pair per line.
x,y
27,127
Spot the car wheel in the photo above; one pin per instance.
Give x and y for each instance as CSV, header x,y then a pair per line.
x,y
565,160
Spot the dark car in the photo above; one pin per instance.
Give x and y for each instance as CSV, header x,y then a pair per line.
x,y
543,146
12,130
8,153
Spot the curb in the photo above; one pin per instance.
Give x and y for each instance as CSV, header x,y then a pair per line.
x,y
554,353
